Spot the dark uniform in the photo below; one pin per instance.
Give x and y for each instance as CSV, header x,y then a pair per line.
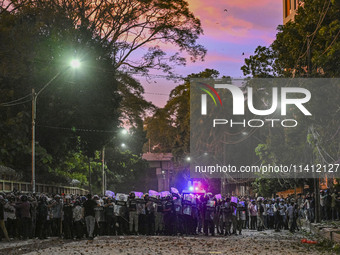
x,y
42,212
68,219
133,216
110,217
209,217
240,215
159,221
169,216
227,214
187,215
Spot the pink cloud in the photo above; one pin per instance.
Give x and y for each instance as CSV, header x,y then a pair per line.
x,y
229,37
218,57
245,14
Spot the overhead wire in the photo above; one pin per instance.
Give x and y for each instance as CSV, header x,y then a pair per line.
x,y
14,104
330,44
74,129
322,17
16,100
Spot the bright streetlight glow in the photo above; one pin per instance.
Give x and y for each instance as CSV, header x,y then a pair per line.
x,y
188,158
124,132
75,63
123,145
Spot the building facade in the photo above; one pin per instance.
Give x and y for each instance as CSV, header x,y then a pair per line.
x,y
289,9
160,170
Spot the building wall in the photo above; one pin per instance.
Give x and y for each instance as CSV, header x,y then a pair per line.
x,y
289,9
160,171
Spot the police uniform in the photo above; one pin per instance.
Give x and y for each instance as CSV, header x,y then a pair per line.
x,y
169,216
187,214
227,212
240,215
159,225
120,211
140,204
209,217
178,215
133,216
150,207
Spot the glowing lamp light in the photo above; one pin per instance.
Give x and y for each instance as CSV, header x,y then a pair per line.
x,y
191,188
75,63
196,188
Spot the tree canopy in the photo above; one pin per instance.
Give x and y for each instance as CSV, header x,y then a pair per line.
x,y
309,46
135,30
81,110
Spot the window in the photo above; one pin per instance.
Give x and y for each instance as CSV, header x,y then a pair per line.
x,y
287,8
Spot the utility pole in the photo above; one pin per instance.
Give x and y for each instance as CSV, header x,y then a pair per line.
x,y
316,178
103,168
316,185
309,64
74,63
34,104
90,188
317,199
223,179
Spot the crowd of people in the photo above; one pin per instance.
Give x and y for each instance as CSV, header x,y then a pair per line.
x,y
24,216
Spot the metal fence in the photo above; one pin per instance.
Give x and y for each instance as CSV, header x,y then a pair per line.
x,y
9,186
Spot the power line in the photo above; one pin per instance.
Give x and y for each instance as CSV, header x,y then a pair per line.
x,y
74,129
322,17
14,104
156,94
330,44
16,100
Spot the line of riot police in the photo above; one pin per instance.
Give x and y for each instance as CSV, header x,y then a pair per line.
x,y
155,213
173,214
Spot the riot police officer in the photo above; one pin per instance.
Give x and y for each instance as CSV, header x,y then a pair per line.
x,y
227,212
159,225
169,215
133,216
209,209
240,215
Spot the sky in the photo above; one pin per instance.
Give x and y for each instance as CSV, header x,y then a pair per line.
x,y
231,28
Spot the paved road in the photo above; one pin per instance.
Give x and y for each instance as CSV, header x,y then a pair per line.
x,y
251,242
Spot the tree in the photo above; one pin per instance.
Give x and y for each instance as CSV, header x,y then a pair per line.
x,y
315,31
37,41
168,130
125,170
263,64
37,46
126,26
316,27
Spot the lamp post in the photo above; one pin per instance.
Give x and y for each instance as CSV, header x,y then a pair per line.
x,y
124,132
103,169
74,64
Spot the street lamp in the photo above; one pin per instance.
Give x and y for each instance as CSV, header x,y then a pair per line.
x,y
74,64
124,131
